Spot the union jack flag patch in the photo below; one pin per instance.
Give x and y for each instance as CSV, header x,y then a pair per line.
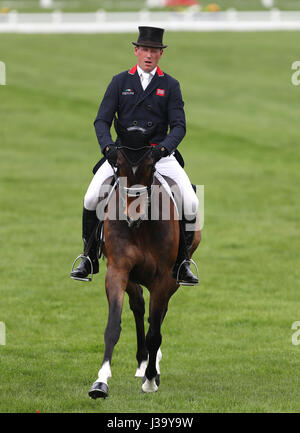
x,y
160,92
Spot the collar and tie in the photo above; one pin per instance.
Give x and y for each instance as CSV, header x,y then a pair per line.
x,y
145,77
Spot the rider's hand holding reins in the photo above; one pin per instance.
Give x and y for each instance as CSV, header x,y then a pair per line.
x,y
158,151
111,154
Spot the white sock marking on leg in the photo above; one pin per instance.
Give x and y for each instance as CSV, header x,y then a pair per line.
x,y
158,359
104,373
140,372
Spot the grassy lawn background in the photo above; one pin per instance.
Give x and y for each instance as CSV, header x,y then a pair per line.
x,y
226,343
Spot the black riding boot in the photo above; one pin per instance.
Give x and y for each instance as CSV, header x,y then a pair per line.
x,y
89,222
189,234
185,275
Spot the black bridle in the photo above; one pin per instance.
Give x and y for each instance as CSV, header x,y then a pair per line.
x,y
135,147
134,191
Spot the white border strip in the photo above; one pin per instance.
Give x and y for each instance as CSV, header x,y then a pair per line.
x,y
127,22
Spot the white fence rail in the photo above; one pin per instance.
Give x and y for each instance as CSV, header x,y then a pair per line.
x,y
121,22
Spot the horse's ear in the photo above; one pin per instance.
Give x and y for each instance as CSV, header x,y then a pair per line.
x,y
120,130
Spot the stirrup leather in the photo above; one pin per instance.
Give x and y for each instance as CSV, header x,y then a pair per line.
x,y
177,276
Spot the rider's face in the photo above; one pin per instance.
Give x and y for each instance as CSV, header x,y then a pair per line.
x,y
148,58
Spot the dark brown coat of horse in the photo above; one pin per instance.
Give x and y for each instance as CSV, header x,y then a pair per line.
x,y
139,252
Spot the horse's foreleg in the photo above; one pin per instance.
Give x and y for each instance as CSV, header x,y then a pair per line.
x,y
158,308
137,305
116,282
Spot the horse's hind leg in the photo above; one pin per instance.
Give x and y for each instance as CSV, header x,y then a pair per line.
x,y
137,305
116,282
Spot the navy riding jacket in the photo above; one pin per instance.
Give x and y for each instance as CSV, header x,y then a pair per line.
x,y
161,103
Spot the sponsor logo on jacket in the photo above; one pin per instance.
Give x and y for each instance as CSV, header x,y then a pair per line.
x,y
128,92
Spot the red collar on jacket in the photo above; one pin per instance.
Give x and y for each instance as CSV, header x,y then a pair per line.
x,y
159,72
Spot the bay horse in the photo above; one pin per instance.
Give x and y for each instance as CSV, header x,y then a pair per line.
x,y
139,251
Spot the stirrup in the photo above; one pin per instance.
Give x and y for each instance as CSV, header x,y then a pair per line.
x,y
197,271
82,256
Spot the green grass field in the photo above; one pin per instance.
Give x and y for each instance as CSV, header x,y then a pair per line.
x,y
227,344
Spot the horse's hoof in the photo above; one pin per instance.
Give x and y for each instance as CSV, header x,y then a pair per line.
x,y
149,385
157,379
98,390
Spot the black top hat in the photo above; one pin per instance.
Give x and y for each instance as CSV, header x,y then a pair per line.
x,y
150,37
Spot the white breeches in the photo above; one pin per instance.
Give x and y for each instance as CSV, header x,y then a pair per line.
x,y
167,166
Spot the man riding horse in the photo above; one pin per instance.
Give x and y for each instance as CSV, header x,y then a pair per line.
x,y
141,97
